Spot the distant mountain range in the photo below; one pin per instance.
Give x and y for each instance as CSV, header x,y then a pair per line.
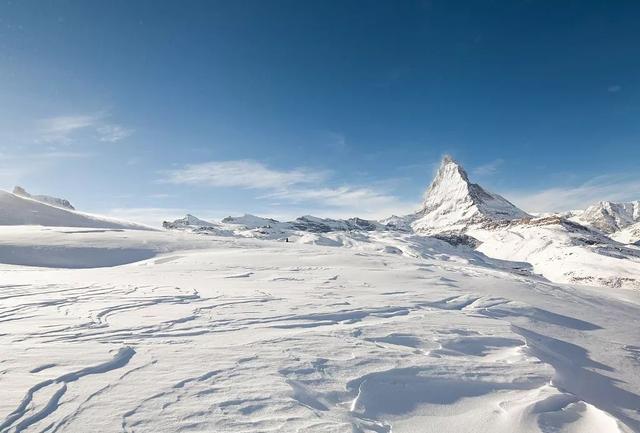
x,y
599,246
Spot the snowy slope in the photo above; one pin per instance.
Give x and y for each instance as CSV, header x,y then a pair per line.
x,y
18,210
563,252
628,235
80,247
452,202
250,335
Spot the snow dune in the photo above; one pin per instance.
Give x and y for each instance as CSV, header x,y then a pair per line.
x,y
227,334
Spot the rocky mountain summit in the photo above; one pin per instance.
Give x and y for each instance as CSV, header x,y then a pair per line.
x,y
610,217
452,202
53,201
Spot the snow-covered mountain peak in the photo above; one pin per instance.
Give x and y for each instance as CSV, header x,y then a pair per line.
x,y
610,217
187,221
452,201
53,201
451,182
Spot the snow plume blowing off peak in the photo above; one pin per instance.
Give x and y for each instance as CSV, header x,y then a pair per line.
x,y
453,202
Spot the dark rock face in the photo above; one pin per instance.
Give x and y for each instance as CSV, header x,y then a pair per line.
x,y
322,225
458,239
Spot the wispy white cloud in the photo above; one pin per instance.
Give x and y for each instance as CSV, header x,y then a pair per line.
x,y
489,168
59,129
283,188
614,88
16,167
27,157
113,133
59,155
342,196
62,129
609,187
337,141
246,174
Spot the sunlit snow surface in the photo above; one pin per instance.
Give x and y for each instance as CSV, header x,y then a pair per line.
x,y
224,334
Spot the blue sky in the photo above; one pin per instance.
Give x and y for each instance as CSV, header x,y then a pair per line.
x,y
149,109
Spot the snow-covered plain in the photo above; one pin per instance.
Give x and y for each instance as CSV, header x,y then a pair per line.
x,y
213,333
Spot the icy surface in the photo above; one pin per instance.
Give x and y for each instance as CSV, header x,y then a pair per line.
x,y
248,335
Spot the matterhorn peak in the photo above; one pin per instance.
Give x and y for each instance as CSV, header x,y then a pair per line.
x,y
453,202
450,179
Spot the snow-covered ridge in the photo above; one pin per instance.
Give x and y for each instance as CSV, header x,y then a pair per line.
x,y
53,201
254,226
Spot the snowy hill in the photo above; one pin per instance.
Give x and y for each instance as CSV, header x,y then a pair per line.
x,y
20,210
453,202
53,201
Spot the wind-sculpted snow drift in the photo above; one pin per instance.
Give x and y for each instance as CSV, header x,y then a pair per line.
x,y
259,335
405,325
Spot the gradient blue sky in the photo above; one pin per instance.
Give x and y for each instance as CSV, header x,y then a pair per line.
x,y
149,109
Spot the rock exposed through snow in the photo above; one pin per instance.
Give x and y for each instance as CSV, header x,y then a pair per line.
x,y
53,201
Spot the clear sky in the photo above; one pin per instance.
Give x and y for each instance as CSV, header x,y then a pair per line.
x,y
150,109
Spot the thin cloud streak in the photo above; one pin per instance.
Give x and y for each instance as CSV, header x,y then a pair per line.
x,y
292,187
615,188
343,196
489,168
247,174
62,129
113,133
